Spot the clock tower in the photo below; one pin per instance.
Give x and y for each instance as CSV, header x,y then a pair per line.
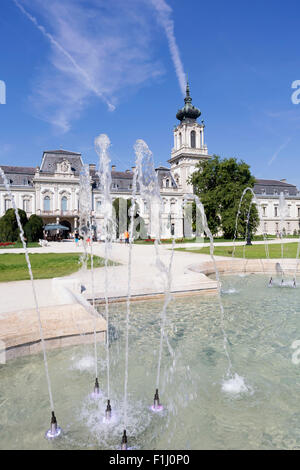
x,y
189,147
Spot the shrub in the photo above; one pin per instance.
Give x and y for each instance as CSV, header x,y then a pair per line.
x,y
34,228
9,230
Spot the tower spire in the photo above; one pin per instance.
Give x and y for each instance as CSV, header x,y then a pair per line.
x,y
188,113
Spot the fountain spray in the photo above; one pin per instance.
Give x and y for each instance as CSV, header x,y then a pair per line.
x,y
102,144
7,186
150,191
85,208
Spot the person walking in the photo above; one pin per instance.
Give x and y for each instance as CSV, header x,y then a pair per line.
x,y
126,236
76,237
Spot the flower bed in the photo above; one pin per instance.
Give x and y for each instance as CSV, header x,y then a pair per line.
x,y
7,243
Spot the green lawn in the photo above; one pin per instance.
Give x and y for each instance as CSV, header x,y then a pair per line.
x,y
13,266
251,252
196,240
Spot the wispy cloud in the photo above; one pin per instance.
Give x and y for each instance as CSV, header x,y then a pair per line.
x,y
164,12
98,49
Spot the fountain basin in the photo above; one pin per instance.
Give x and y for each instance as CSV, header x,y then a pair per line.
x,y
262,326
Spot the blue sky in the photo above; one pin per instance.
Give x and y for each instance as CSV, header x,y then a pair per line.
x,y
68,65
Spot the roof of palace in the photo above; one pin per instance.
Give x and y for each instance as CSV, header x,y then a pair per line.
x,y
52,157
274,187
18,175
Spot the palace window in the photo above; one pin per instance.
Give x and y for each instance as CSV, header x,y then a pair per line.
x,y
64,204
173,206
180,140
167,183
276,211
47,204
7,204
298,211
193,139
98,206
26,205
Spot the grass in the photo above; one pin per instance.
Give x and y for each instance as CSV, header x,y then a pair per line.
x,y
251,252
19,245
13,266
197,240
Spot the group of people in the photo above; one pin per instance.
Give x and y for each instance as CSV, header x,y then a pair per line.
x,y
77,238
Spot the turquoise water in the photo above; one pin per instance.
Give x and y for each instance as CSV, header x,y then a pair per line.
x,y
261,324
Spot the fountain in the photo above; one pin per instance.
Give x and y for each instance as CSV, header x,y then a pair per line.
x,y
102,144
85,228
55,430
190,328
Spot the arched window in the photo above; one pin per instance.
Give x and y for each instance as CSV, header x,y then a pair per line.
x,y
167,183
7,204
193,139
98,206
173,206
180,140
64,204
165,202
47,204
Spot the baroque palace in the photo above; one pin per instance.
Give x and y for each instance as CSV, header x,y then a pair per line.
x,y
52,190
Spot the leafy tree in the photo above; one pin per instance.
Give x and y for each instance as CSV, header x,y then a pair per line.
x,y
9,230
219,183
121,208
34,228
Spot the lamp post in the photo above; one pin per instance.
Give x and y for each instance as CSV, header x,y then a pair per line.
x,y
249,243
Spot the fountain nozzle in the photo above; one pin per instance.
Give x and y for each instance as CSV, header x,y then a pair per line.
x,y
156,405
54,430
124,441
96,387
156,399
53,424
108,411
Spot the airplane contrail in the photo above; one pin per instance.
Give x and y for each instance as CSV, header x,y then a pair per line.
x,y
56,44
164,16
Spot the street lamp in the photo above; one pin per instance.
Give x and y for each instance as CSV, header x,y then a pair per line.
x,y
249,243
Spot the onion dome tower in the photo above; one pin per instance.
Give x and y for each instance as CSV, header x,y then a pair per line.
x,y
189,147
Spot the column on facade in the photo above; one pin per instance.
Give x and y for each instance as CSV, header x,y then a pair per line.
x,y
198,138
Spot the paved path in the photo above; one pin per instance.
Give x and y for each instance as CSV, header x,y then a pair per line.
x,y
146,277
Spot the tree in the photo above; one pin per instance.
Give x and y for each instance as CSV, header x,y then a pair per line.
x,y
34,228
122,215
9,230
219,183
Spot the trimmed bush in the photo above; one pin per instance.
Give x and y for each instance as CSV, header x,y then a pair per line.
x,y
34,228
9,230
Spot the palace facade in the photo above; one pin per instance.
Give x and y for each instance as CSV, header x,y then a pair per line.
x,y
52,190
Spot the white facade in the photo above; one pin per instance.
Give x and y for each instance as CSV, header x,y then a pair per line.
x,y
52,190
